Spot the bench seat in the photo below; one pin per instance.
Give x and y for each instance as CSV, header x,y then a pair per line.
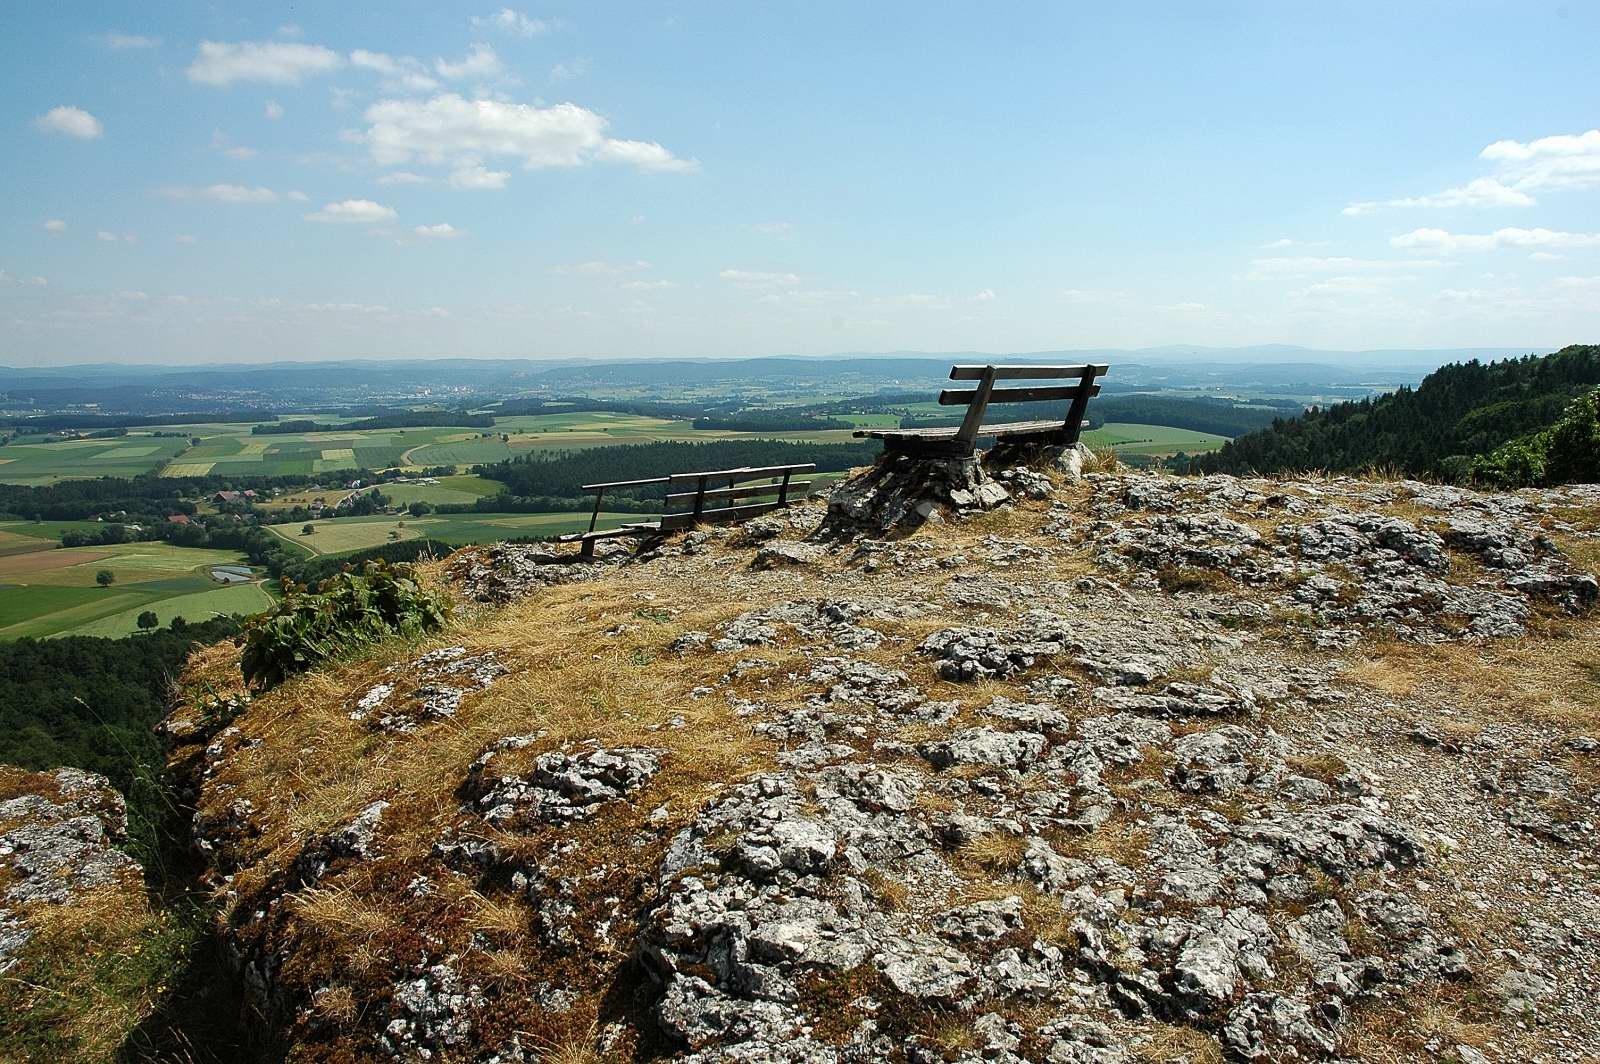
x,y
1014,428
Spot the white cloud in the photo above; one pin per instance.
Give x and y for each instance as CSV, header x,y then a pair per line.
x,y
1444,241
109,238
400,73
773,228
10,279
1579,282
1545,256
442,231
273,62
403,177
1568,160
183,238
1185,308
222,193
120,42
273,110
296,195
759,279
600,268
70,122
1302,265
1482,192
647,286
352,212
477,178
514,22
449,130
239,151
646,155
55,225
569,69
984,295
480,64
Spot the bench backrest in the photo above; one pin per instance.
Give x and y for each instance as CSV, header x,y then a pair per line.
x,y
979,399
717,494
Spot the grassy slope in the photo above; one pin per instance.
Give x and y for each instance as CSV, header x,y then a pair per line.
x,y
340,535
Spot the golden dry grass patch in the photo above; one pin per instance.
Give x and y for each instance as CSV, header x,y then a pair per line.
x,y
1554,680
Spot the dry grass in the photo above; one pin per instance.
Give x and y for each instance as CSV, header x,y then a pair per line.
x,y
340,913
1170,1042
1552,680
93,970
994,851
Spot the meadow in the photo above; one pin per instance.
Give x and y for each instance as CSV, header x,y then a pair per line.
x,y
46,590
343,534
230,450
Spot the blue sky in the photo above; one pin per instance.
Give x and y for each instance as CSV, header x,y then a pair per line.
x,y
192,182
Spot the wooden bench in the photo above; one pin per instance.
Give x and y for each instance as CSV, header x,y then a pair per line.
x,y
962,440
695,497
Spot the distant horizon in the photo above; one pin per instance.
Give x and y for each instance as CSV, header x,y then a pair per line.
x,y
1482,350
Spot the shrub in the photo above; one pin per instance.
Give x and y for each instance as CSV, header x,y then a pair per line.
x,y
347,611
1573,452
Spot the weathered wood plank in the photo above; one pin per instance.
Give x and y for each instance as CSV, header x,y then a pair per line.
x,y
1027,373
962,397
737,493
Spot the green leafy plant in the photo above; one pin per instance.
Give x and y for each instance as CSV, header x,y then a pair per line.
x,y
347,611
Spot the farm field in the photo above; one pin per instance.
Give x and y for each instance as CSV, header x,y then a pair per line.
x,y
48,592
1151,439
343,534
50,463
463,488
230,450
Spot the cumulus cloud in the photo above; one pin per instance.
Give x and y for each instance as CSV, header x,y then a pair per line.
x,y
1444,241
273,110
70,122
352,212
569,69
442,231
55,225
476,177
479,64
121,42
272,62
449,130
1302,265
600,268
759,279
400,73
222,193
1482,192
1569,160
513,22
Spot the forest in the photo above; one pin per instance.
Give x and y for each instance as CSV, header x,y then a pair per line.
x,y
1458,414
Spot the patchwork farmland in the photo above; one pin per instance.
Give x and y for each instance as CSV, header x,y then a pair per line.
x,y
48,590
231,450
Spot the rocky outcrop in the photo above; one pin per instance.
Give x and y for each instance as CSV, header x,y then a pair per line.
x,y
58,843
1107,778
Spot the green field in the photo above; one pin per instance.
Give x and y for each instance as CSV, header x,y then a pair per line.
x,y
49,463
445,491
230,450
1151,439
343,534
52,591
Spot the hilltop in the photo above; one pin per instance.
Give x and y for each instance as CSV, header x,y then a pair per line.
x,y
1128,767
1454,424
